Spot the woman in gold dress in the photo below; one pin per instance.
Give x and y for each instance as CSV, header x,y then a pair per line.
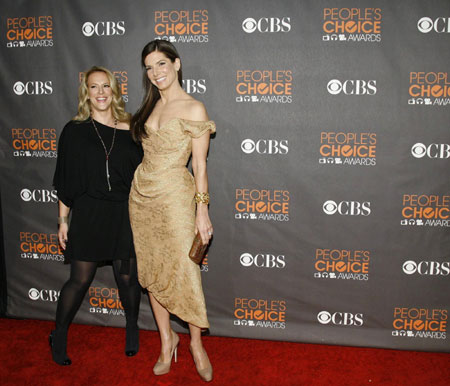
x,y
168,206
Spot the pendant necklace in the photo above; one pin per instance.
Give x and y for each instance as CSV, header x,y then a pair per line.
x,y
107,153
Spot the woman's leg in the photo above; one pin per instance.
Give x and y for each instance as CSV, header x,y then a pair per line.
x,y
70,298
130,296
201,359
162,317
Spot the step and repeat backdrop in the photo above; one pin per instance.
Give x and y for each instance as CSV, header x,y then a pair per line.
x,y
329,172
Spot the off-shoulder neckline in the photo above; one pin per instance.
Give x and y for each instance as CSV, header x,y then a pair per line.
x,y
174,119
110,127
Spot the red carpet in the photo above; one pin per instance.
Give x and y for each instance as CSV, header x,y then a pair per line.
x,y
98,359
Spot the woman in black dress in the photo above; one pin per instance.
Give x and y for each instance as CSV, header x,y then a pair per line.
x,y
94,170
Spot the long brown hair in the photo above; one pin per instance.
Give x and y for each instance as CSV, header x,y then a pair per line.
x,y
151,91
84,105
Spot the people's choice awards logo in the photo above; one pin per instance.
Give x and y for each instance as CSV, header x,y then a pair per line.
x,y
426,210
104,300
429,88
267,24
182,26
264,86
262,204
103,28
434,150
352,24
352,149
262,260
30,31
263,313
347,208
417,322
438,25
342,264
352,87
33,142
340,318
40,246
426,268
265,146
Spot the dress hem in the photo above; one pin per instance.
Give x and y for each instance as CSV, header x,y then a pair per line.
x,y
179,316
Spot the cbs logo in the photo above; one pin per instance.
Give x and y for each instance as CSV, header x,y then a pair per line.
x,y
265,146
435,150
267,24
263,260
439,25
103,28
33,88
45,295
347,208
352,87
39,195
431,268
340,318
193,86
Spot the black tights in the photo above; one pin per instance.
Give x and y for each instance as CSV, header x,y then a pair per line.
x,y
81,275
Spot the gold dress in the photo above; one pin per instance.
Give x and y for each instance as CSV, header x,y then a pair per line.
x,y
162,214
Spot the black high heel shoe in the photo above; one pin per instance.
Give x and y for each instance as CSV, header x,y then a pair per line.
x,y
132,340
60,359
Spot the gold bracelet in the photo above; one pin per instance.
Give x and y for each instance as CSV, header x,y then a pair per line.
x,y
62,220
201,197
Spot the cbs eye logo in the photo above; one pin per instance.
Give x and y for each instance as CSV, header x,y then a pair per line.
x,y
431,268
352,87
265,146
440,25
103,28
246,259
409,267
33,88
419,150
249,25
26,195
330,207
324,317
248,146
347,208
34,294
334,86
340,318
267,24
262,260
425,25
435,150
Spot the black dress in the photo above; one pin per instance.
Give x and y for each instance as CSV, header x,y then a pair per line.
x,y
100,227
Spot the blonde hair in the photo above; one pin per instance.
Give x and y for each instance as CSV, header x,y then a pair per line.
x,y
117,105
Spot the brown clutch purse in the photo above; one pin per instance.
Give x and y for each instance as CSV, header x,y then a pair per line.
x,y
198,249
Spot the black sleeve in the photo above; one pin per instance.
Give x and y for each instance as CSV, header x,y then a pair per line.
x,y
68,178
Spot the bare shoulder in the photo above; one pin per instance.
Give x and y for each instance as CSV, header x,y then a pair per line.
x,y
196,110
187,108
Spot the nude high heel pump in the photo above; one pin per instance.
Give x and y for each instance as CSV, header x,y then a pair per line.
x,y
162,368
207,373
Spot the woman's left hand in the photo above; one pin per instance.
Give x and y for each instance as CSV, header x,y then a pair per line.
x,y
203,223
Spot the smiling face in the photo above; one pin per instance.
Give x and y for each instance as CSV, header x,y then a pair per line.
x,y
160,70
99,92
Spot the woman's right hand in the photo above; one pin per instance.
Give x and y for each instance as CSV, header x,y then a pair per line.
x,y
63,230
